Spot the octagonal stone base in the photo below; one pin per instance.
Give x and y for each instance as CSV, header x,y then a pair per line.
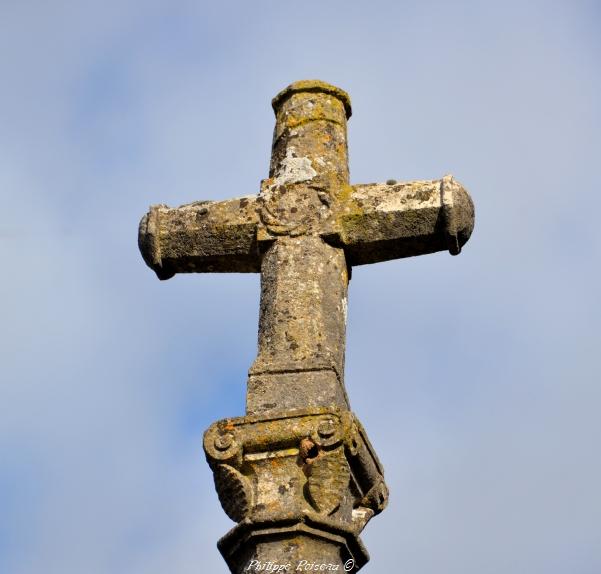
x,y
307,543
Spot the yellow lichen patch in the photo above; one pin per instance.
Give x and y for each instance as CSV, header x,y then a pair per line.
x,y
312,86
349,213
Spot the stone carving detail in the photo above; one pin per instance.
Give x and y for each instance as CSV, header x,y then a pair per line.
x,y
374,502
307,450
328,480
284,211
330,469
376,498
234,491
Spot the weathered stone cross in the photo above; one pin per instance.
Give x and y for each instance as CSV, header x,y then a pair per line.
x,y
298,472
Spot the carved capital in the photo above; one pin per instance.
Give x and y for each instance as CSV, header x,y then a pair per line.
x,y
314,462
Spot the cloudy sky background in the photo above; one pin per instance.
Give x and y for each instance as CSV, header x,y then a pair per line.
x,y
477,377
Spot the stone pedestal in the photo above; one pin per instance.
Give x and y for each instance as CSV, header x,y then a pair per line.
x,y
301,485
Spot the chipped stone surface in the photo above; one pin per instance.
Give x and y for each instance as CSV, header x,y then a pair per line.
x,y
298,473
293,169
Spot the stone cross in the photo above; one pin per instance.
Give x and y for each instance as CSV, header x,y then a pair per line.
x,y
298,473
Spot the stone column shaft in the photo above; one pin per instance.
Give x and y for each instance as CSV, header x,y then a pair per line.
x,y
302,327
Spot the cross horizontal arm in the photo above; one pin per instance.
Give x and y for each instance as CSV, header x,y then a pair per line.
x,y
380,221
205,236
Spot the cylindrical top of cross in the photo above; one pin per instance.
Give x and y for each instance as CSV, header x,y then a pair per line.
x,y
311,123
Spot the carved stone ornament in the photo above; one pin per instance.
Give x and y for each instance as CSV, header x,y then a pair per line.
x,y
328,480
314,462
293,209
234,491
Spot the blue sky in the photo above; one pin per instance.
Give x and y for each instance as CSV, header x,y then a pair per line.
x,y
477,377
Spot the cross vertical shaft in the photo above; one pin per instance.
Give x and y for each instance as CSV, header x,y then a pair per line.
x,y
304,279
301,327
